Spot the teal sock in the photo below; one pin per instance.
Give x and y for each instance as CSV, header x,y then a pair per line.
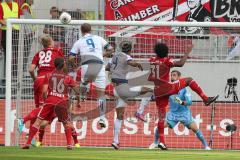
x,y
201,138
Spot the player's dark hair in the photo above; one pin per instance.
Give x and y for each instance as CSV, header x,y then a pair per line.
x,y
178,72
53,8
126,46
161,49
86,28
59,63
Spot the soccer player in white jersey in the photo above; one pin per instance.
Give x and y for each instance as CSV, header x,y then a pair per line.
x,y
118,68
92,49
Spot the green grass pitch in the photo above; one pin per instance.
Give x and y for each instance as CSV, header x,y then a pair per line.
x,y
48,153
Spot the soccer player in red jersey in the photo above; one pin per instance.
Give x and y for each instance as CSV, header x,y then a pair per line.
x,y
43,61
159,74
55,90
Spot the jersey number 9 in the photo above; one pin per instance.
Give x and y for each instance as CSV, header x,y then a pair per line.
x,y
90,42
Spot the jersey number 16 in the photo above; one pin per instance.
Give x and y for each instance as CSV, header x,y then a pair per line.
x,y
58,85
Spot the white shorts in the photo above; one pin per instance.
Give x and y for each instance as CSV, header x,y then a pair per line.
x,y
94,73
234,51
123,92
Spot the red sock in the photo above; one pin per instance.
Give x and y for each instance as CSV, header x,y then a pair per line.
x,y
33,130
162,114
74,136
68,133
41,134
196,88
161,131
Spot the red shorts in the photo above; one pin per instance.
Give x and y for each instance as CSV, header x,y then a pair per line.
x,y
170,88
163,91
38,91
54,106
109,90
34,115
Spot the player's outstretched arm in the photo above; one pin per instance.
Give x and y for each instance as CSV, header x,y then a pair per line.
x,y
183,60
135,64
31,71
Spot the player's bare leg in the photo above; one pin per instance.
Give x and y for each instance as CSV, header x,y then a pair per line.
x,y
193,126
117,126
196,88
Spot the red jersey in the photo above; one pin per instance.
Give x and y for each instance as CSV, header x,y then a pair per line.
x,y
58,83
44,60
160,69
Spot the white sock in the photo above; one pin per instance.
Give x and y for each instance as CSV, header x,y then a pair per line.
x,y
144,102
117,127
102,107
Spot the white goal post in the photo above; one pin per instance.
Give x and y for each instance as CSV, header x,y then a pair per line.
x,y
127,32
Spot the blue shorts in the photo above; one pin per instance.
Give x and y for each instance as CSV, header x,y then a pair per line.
x,y
185,118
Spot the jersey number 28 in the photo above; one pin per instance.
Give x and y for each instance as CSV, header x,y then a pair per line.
x,y
45,57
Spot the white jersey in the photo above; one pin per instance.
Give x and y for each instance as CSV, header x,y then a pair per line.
x,y
235,49
119,66
90,47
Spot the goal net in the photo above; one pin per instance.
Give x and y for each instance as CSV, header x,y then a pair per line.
x,y
213,60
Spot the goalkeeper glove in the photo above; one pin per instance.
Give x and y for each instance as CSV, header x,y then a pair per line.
x,y
179,101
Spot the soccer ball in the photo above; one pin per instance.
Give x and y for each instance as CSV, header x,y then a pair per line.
x,y
65,18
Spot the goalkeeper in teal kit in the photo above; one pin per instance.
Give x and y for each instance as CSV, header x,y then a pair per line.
x,y
179,111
